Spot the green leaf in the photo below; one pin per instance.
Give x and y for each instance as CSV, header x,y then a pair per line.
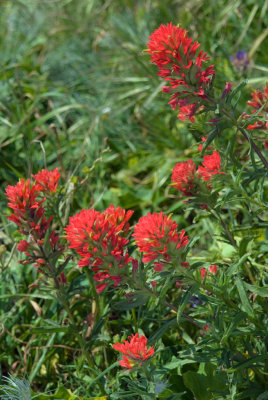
x,y
137,300
263,396
244,297
185,300
115,364
197,384
260,291
203,385
249,363
244,244
233,268
160,331
50,329
236,90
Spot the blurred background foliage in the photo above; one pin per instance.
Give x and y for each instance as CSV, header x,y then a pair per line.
x,y
77,92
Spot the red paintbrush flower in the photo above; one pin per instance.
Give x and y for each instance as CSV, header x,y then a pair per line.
x,y
183,176
178,62
23,201
47,181
259,100
135,351
29,215
210,166
157,237
99,239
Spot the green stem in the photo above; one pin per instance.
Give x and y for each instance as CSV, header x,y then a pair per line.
x,y
93,287
146,373
226,229
134,319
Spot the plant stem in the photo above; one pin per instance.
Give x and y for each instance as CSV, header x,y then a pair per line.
x,y
95,294
254,146
226,229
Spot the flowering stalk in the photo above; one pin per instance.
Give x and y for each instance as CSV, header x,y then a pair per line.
x,y
43,247
179,63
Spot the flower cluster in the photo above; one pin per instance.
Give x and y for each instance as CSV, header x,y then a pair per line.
x,y
100,240
186,178
135,351
181,64
157,237
259,100
27,202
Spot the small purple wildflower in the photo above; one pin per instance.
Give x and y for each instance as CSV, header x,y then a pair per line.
x,y
240,61
195,301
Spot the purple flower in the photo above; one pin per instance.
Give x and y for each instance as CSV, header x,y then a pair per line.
x,y
195,301
240,61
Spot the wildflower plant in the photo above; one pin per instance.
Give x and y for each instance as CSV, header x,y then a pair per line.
x,y
189,316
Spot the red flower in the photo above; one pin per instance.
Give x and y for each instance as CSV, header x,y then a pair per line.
x,y
47,181
213,269
29,215
99,239
227,89
259,100
203,272
183,176
211,166
135,351
22,199
266,144
179,63
28,212
118,217
23,246
157,237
